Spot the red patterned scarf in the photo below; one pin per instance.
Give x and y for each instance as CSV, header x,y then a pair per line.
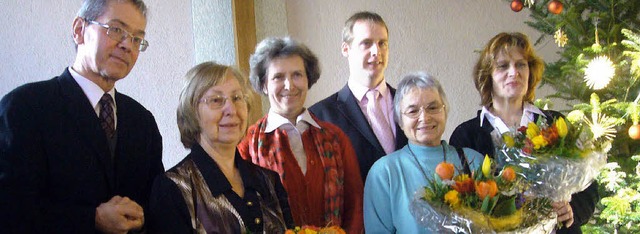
x,y
265,151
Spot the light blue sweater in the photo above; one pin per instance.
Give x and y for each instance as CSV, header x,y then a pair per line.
x,y
393,180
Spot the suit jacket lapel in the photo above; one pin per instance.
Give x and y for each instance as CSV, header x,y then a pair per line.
x,y
348,106
401,139
86,123
123,161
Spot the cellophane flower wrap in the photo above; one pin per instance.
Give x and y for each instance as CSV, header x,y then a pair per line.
x,y
559,158
488,201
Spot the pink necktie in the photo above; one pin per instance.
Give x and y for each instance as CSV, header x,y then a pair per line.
x,y
379,123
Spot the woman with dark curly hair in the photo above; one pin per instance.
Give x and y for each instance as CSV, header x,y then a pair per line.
x,y
506,76
315,159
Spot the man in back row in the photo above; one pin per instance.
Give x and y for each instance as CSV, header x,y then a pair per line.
x,y
76,156
363,108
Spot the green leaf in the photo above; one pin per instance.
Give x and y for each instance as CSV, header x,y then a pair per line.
x,y
485,205
505,206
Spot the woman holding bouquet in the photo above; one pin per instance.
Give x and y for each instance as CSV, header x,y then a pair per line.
x,y
315,159
420,106
506,76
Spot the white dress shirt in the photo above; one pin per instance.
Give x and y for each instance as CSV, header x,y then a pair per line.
x,y
359,92
94,93
500,127
294,133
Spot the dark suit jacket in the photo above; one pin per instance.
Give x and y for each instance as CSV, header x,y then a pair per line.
x,y
470,134
342,109
55,164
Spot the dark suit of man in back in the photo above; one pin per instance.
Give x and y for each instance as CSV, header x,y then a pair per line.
x,y
365,43
67,165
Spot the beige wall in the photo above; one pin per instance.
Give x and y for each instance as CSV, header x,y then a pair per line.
x,y
436,36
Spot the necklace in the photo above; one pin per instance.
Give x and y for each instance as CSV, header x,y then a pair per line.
x,y
444,158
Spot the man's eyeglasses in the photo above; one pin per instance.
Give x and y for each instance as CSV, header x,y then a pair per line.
x,y
217,102
120,35
415,112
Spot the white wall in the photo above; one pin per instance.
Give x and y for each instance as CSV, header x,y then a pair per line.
x,y
437,36
36,45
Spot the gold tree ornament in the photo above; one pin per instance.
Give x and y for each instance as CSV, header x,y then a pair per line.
x,y
600,124
529,3
599,72
560,37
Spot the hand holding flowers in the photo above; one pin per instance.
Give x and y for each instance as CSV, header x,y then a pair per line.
x,y
558,159
483,201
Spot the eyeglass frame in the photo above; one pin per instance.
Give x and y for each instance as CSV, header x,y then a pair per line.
x,y
430,110
210,102
142,45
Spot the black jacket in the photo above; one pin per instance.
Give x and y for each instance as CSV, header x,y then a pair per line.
x,y
342,109
55,162
470,134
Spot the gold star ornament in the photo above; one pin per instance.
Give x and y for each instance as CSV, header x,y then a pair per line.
x,y
561,38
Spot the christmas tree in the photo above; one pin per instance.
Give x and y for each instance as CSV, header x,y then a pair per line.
x,y
599,69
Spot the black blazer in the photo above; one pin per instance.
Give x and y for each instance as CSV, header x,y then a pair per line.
x,y
55,164
168,211
342,109
470,134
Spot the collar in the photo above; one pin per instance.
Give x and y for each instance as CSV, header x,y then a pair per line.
x,y
213,176
90,89
303,121
528,115
360,91
430,148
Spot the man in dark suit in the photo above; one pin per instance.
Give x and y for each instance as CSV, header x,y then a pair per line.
x,y
371,128
76,156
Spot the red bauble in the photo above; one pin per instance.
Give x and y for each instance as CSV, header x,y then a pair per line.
x,y
516,5
555,7
634,132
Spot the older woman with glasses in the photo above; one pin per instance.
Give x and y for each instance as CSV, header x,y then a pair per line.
x,y
213,190
420,106
315,159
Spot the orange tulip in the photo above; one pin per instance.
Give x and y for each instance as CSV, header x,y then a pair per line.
x,y
508,174
486,188
445,170
464,184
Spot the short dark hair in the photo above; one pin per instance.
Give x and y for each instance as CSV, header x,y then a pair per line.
x,y
347,30
503,43
275,47
92,9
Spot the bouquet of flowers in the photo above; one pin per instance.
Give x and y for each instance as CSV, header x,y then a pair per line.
x,y
316,230
558,159
484,202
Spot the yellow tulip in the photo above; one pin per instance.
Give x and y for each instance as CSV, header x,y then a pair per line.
x,y
508,140
451,198
486,165
532,130
539,142
562,127
310,231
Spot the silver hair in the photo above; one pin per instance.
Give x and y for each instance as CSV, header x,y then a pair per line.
x,y
92,9
420,80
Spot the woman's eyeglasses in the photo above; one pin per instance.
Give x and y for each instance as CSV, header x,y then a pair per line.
x,y
415,112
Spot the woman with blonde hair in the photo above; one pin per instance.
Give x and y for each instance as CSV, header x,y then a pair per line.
x,y
213,190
